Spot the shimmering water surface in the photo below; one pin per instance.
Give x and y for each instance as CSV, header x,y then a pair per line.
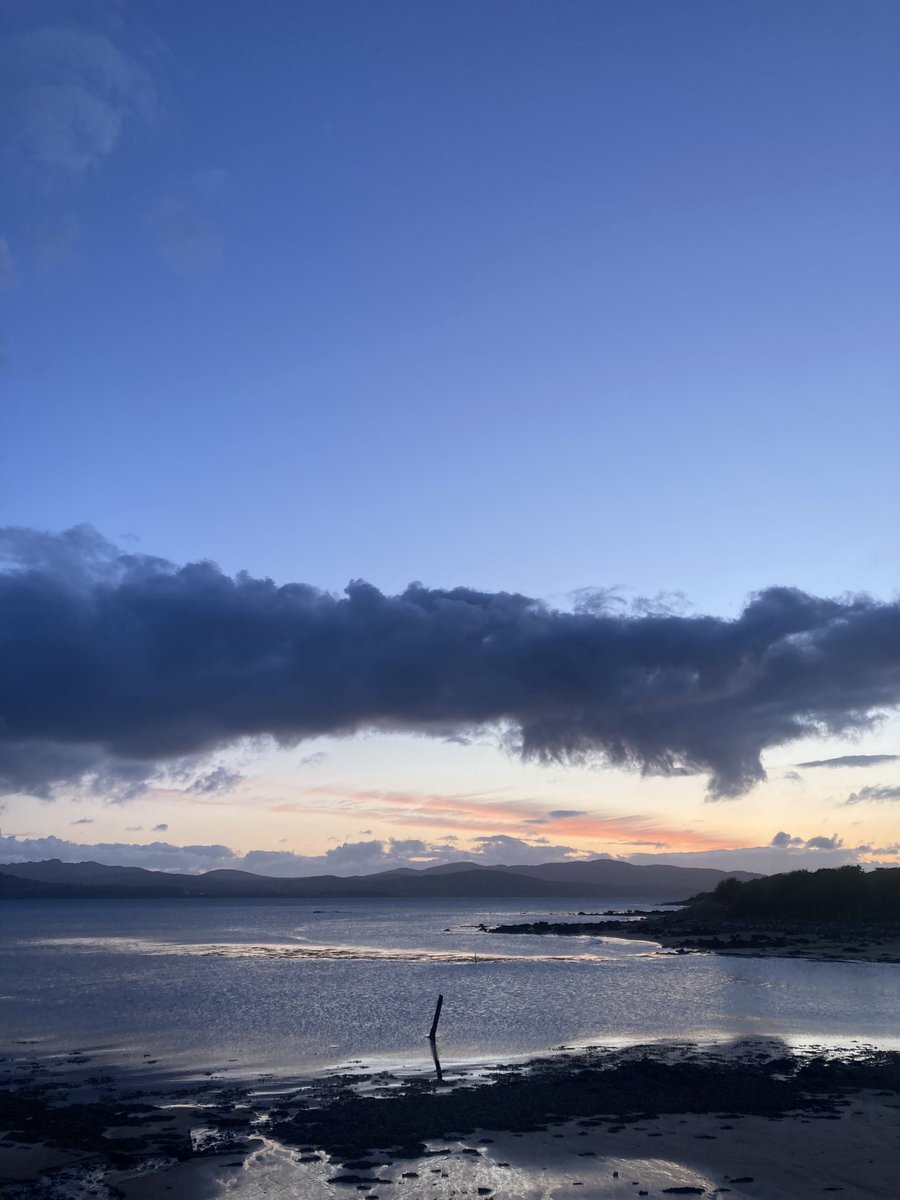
x,y
291,986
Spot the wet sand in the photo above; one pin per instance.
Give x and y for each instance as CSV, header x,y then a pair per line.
x,y
856,1156
749,1119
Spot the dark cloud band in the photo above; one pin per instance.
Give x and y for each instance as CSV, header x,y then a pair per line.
x,y
114,661
853,760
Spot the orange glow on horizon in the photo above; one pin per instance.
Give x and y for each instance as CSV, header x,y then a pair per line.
x,y
476,817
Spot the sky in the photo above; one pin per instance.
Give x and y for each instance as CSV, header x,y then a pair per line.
x,y
579,318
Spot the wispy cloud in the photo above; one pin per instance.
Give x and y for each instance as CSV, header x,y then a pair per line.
x,y
472,813
875,794
852,760
490,813
220,779
313,760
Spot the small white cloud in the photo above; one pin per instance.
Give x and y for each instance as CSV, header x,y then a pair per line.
x,y
209,181
9,277
181,224
53,241
186,240
70,93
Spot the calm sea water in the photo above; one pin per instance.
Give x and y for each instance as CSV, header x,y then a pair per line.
x,y
288,986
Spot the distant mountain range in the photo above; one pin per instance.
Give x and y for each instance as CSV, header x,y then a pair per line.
x,y
597,878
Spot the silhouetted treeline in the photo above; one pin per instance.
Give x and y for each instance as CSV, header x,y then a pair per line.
x,y
846,893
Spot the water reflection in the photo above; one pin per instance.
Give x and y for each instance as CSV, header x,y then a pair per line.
x,y
271,986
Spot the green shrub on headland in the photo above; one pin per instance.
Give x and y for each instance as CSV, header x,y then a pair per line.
x,y
842,893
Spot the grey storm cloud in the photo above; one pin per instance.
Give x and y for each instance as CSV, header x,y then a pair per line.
x,y
824,843
114,663
853,760
784,839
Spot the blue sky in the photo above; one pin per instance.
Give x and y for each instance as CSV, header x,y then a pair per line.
x,y
523,297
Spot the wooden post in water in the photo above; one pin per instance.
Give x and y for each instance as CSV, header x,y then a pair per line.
x,y
437,1017
437,1062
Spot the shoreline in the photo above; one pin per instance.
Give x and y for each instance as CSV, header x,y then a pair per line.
x,y
745,939
672,1113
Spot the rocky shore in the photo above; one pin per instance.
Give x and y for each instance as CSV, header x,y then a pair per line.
x,y
687,933
663,1116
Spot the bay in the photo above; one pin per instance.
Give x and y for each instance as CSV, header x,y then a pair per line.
x,y
287,987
